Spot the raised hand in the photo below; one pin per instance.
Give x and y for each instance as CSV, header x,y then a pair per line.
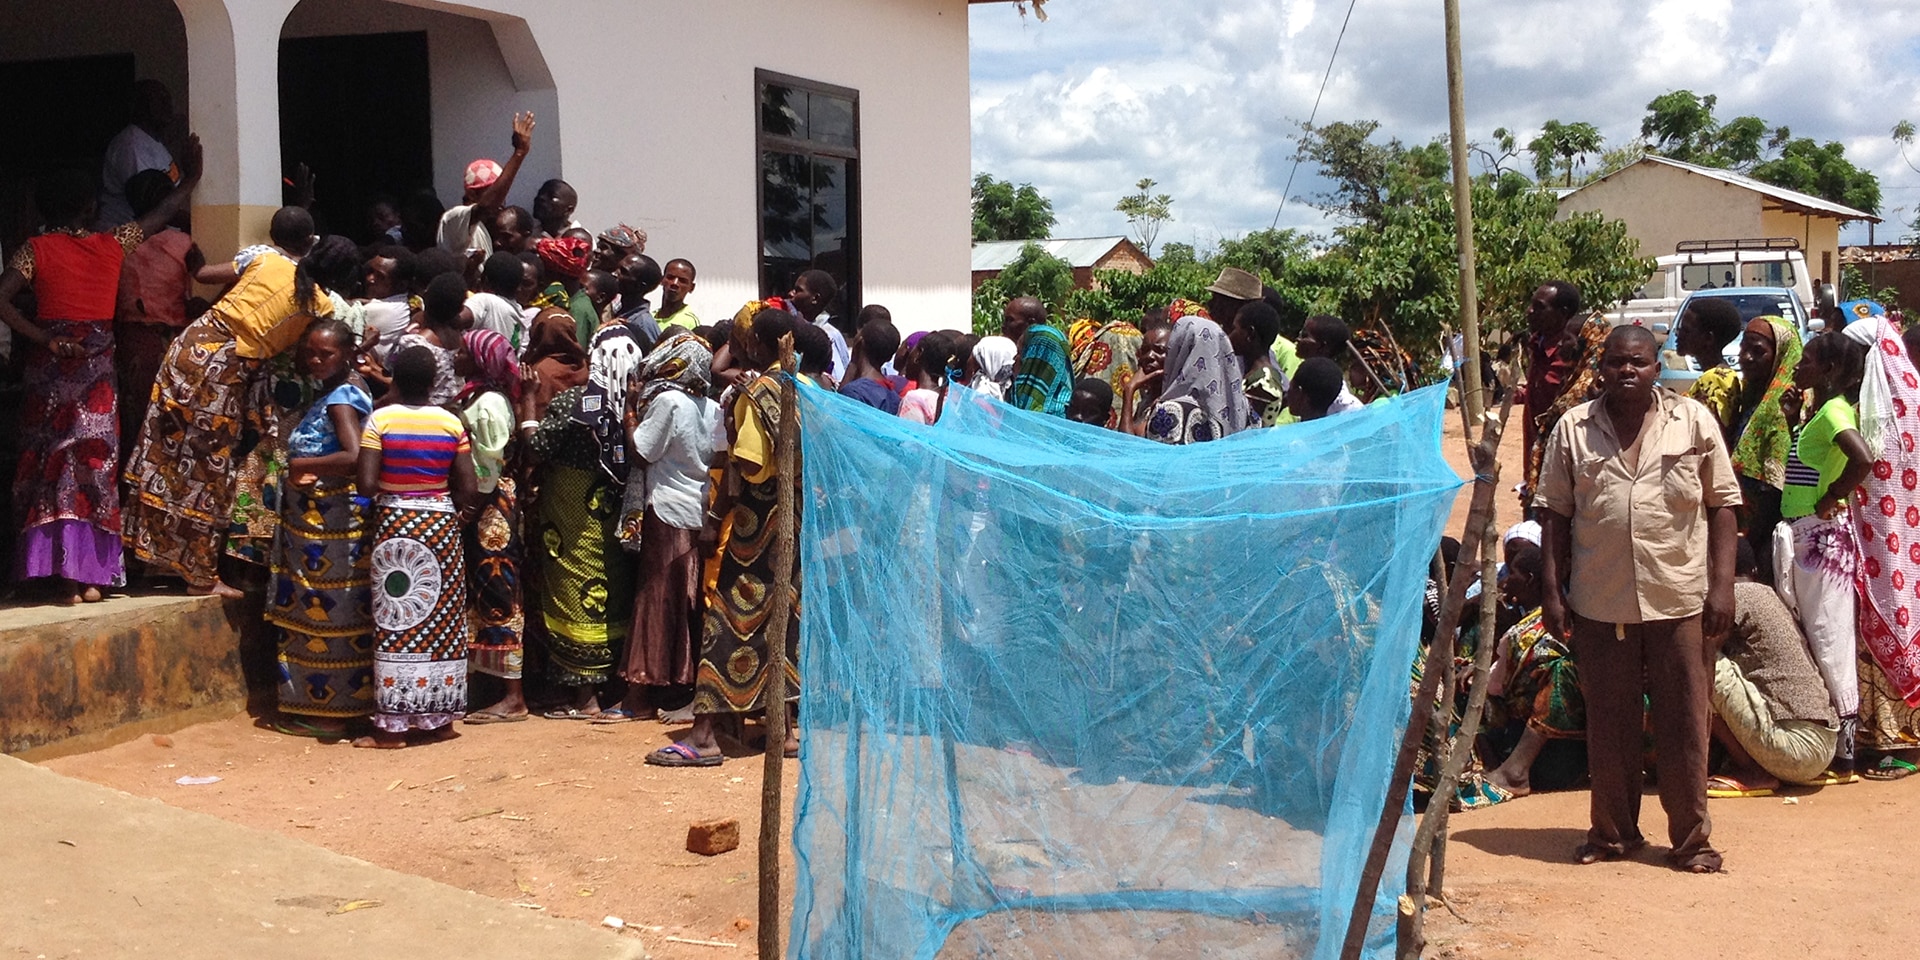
x,y
523,132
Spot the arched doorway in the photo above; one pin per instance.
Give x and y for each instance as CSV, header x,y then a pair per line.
x,y
385,99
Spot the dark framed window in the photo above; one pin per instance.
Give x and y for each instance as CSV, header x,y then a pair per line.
x,y
809,190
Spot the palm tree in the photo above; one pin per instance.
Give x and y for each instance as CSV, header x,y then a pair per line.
x,y
1565,145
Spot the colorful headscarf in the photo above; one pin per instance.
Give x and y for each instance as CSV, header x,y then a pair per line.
x,y
993,359
1107,352
1203,371
1043,381
494,366
566,256
1762,450
629,239
611,360
1578,389
1887,505
683,361
1185,308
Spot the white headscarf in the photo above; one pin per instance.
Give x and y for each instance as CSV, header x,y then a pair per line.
x,y
993,358
1876,387
1527,530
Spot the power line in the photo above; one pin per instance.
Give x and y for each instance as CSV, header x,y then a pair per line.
x,y
1316,108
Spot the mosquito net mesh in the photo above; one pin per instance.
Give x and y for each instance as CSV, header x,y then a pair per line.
x,y
1070,693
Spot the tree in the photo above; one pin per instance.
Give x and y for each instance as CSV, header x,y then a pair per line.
x,y
1145,213
1680,125
1903,135
1565,144
1496,163
1002,211
1037,273
1824,171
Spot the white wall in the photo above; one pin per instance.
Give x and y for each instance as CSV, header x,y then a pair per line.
x,y
675,155
474,95
1664,205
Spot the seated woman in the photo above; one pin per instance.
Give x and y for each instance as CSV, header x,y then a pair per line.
x,y
1771,711
1536,720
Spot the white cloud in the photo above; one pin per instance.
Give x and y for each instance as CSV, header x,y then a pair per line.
x,y
1201,95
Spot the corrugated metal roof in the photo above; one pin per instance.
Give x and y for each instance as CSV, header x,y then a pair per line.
x,y
1079,251
1804,202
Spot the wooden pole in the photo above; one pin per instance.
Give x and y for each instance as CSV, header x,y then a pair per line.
x,y
774,695
1486,484
1378,384
1412,929
1471,396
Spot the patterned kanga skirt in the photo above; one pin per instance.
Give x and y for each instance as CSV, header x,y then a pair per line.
x,y
321,603
587,580
419,615
493,566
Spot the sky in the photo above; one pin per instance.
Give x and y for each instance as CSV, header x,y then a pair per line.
x,y
1202,95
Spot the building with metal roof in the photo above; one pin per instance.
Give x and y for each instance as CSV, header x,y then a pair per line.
x,y
1085,254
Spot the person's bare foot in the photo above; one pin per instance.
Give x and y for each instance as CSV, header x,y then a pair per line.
x,y
1503,778
215,589
91,594
1751,778
381,741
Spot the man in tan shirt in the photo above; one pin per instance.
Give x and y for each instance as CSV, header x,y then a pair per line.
x,y
1639,496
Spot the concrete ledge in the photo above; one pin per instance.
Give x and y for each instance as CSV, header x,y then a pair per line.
x,y
80,678
94,872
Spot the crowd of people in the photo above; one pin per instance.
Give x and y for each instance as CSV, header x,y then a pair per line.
x,y
486,449
1722,570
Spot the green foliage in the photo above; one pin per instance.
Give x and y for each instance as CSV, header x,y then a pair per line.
x,y
1037,273
1565,145
989,307
1002,211
1853,283
1146,211
1824,171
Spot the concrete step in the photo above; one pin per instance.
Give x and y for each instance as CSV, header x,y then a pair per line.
x,y
94,872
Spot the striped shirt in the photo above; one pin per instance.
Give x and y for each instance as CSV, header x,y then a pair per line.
x,y
417,446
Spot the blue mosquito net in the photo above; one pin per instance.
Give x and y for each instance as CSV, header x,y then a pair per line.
x,y
1070,693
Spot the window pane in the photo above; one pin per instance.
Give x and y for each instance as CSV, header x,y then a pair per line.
x,y
830,251
831,121
786,219
783,111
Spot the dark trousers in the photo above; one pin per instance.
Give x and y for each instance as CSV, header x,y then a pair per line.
x,y
1666,661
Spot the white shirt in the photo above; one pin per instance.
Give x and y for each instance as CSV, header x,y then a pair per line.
x,y
492,311
1346,402
675,438
129,152
391,317
460,231
842,356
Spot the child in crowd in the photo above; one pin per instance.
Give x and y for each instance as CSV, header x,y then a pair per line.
x,y
1316,385
1092,402
926,370
873,349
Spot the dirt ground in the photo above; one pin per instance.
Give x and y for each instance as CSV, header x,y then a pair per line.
x,y
563,817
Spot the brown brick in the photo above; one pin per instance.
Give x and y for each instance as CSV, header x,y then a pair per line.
x,y
711,838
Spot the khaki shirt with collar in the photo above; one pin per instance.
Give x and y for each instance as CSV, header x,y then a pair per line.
x,y
1640,535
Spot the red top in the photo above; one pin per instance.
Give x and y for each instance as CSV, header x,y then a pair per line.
x,y
77,278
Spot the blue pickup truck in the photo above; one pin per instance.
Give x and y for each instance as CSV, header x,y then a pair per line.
x,y
1677,373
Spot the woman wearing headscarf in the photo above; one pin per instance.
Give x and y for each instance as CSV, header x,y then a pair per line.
x,y
732,675
1889,507
1769,352
1106,352
554,358
491,536
565,259
1202,399
1583,341
992,362
671,424
587,580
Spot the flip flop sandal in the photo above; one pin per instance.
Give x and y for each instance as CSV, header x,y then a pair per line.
x,y
616,715
302,728
681,755
1892,768
1482,795
570,713
1726,788
479,719
1830,778
1588,853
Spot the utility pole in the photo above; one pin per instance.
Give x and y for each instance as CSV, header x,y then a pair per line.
x,y
1472,396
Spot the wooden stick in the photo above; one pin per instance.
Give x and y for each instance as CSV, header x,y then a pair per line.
x,y
774,694
1486,483
1412,924
1378,384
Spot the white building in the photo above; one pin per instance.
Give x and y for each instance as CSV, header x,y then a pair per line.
x,y
752,137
